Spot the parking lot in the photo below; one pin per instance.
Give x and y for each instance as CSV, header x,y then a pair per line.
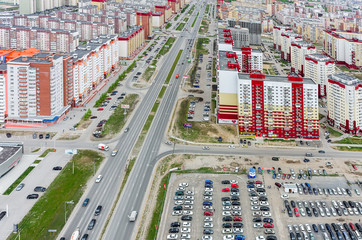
x,y
264,215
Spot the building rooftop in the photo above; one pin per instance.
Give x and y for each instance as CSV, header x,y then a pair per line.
x,y
223,61
319,57
345,79
303,44
274,78
26,59
6,152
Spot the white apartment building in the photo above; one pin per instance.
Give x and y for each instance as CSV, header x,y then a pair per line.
x,y
277,35
345,103
298,51
318,67
286,41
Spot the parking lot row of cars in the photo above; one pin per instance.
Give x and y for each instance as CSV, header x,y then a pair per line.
x,y
321,208
261,213
308,173
327,231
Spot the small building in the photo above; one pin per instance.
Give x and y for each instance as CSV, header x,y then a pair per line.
x,y
10,156
290,188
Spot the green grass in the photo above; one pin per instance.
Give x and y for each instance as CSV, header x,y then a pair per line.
x,y
173,67
207,8
168,25
195,20
162,92
18,181
117,120
278,140
177,17
149,72
334,133
166,47
350,140
191,10
186,19
184,9
36,150
344,148
46,152
128,171
100,100
48,211
37,161
85,117
180,26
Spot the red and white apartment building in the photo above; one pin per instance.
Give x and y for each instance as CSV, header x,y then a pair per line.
x,y
298,51
345,103
286,40
277,36
318,67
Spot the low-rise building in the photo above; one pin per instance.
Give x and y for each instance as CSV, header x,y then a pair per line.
x,y
345,103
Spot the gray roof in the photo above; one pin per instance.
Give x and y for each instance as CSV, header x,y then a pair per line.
x,y
319,57
345,79
223,61
6,152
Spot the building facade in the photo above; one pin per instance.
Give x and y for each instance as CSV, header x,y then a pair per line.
x,y
318,67
345,103
277,36
286,42
298,51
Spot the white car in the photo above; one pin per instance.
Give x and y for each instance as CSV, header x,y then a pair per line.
x,y
227,230
231,146
172,236
99,178
208,225
226,208
266,214
188,207
255,214
179,202
255,208
205,148
184,184
284,196
302,212
226,213
333,211
309,229
185,230
180,189
188,212
186,224
209,189
208,219
328,213
254,203
234,182
262,194
357,192
238,230
260,238
269,231
207,198
234,194
290,228
258,225
228,237
301,227
206,237
236,208
207,207
176,213
190,197
189,202
185,236
254,199
236,213
264,203
191,193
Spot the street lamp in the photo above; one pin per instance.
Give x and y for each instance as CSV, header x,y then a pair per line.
x,y
65,209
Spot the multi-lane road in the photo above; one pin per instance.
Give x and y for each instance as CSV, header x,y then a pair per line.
x,y
105,192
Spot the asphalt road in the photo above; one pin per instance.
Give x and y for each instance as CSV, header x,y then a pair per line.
x,y
136,187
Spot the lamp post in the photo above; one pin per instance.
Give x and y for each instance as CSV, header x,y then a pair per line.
x,y
65,210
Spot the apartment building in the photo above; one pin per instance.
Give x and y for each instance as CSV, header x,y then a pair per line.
x,y
344,47
55,40
318,67
345,103
166,10
298,51
286,42
131,41
144,18
267,106
277,36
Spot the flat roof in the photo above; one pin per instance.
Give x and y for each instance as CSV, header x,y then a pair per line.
x,y
319,57
223,61
274,78
6,152
345,79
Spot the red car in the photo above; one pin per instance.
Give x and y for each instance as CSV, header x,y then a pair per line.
x,y
208,213
268,225
100,109
109,98
352,226
234,185
283,177
296,212
258,182
226,189
237,218
278,184
288,176
354,167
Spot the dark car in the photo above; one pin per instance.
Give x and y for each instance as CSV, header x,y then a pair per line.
x,y
262,198
175,224
263,208
8,135
257,219
208,185
290,212
234,189
269,220
2,214
260,190
339,236
286,203
177,208
179,193
41,136
173,230
226,225
186,218
315,228
339,212
253,194
298,235
358,226
335,227
292,236
328,227
348,192
208,231
250,186
278,184
85,202
225,199
98,210
39,189
315,212
35,135
238,225
227,219
292,203
85,237
207,203
47,136
92,224
32,196
57,168
275,158
345,203
225,182
309,212
235,203
235,198
271,238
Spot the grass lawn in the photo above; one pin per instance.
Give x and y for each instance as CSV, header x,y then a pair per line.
x,y
18,181
85,118
180,26
334,133
166,47
195,20
168,25
117,120
48,211
343,148
173,67
149,72
46,152
350,140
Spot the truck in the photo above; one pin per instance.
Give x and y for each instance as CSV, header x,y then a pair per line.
x,y
103,147
75,235
132,217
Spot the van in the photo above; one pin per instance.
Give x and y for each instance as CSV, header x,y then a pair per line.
x,y
99,178
132,217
